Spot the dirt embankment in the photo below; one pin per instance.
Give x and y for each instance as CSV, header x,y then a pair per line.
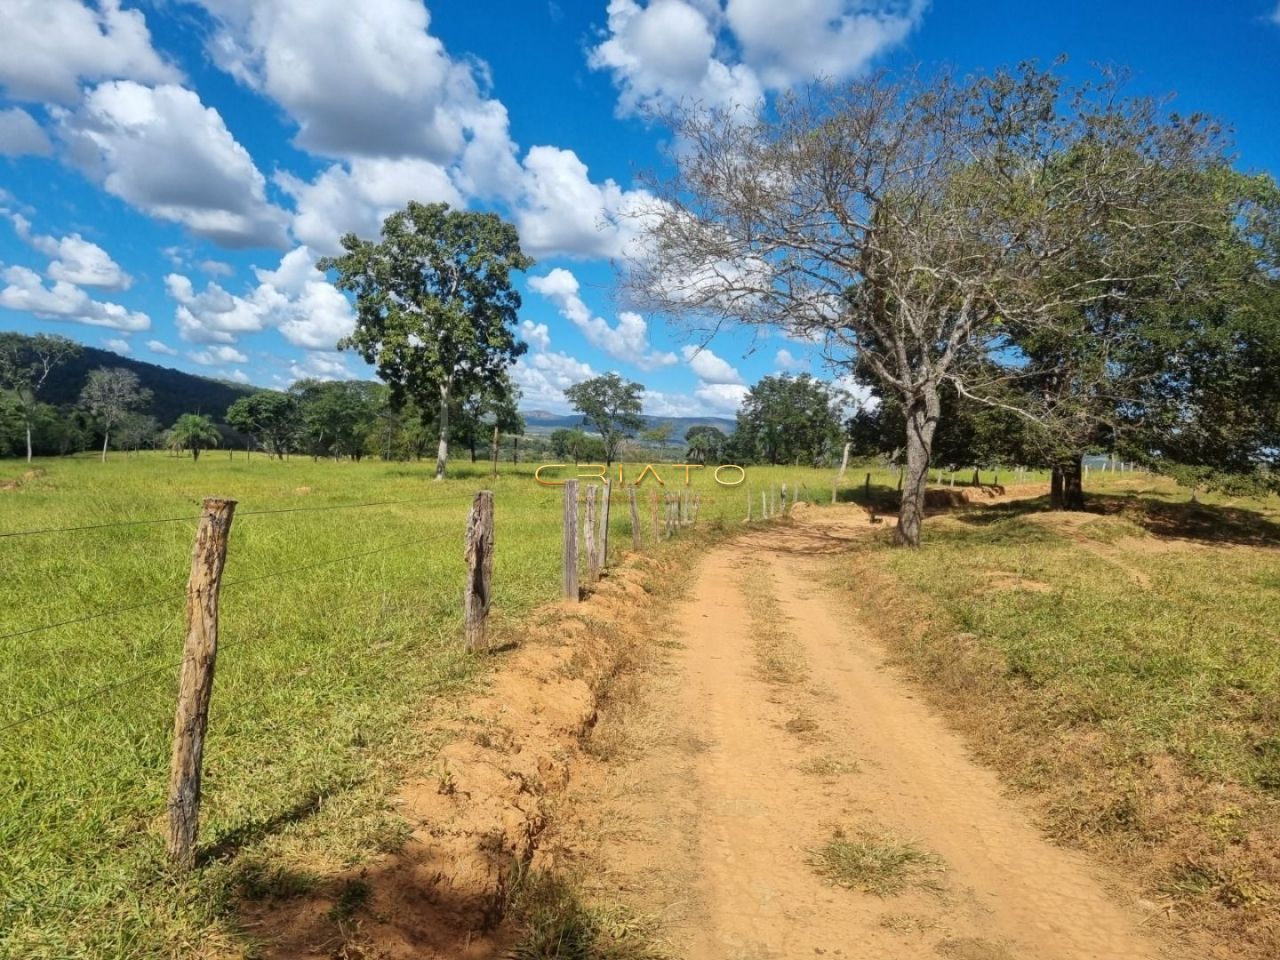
x,y
475,817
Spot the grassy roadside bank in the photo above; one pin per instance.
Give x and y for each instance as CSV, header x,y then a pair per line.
x,y
1121,666
330,671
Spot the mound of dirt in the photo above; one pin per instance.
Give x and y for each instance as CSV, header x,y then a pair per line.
x,y
476,817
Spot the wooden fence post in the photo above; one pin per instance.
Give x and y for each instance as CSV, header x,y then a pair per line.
x,y
748,505
605,503
589,535
636,541
200,655
478,555
784,499
653,516
571,539
764,504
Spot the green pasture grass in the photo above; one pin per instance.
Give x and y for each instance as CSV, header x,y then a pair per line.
x,y
327,668
1122,665
325,672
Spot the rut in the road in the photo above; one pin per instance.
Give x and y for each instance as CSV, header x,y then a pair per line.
x,y
764,738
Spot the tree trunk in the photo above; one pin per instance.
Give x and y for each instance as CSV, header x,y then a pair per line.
x,y
442,449
844,460
922,421
195,454
1066,487
106,436
494,449
515,449
473,448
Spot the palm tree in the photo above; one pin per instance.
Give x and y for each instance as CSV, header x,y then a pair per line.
x,y
194,432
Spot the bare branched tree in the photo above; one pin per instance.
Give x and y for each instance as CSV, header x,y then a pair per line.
x,y
911,225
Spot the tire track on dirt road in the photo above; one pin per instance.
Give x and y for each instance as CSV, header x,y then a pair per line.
x,y
754,803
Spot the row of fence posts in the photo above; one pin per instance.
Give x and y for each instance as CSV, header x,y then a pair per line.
x,y
200,650
668,512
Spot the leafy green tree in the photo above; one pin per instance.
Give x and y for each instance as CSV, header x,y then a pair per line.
x,y
611,405
912,223
569,443
705,443
435,307
194,432
269,417
338,416
788,419
136,431
25,366
109,394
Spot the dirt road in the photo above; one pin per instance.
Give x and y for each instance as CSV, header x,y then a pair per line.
x,y
775,725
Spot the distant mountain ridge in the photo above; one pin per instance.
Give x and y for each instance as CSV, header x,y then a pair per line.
x,y
173,392
544,421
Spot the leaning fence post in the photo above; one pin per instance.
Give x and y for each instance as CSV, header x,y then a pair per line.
x,y
636,541
606,501
571,539
200,655
589,535
478,555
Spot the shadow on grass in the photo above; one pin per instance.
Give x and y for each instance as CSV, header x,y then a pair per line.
x,y
1200,522
233,841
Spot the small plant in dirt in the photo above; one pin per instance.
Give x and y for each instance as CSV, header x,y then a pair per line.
x,y
876,863
829,767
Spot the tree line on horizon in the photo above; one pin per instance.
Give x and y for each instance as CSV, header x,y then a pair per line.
x,y
1019,270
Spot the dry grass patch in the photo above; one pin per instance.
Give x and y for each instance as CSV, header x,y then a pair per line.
x,y
779,659
877,863
829,767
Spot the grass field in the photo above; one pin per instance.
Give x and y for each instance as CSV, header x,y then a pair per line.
x,y
327,666
1123,666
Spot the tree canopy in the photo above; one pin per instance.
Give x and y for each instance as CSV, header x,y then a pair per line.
x,y
611,405
435,307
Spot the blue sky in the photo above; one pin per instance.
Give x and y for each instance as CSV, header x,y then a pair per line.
x,y
171,169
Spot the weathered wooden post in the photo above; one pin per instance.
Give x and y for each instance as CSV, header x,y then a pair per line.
x,y
571,539
589,536
636,539
478,555
195,686
784,500
607,493
653,516
764,504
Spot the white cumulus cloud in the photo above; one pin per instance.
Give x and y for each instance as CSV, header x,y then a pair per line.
x,y
162,348
118,344
25,290
728,55
163,151
47,47
561,211
75,259
357,197
294,298
628,340
710,368
21,136
217,355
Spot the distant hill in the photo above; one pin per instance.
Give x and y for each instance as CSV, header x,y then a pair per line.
x,y
173,392
543,421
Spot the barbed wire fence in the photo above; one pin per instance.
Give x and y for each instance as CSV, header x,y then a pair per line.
x,y
586,552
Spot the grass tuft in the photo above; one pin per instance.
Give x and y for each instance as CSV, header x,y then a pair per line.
x,y
876,863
